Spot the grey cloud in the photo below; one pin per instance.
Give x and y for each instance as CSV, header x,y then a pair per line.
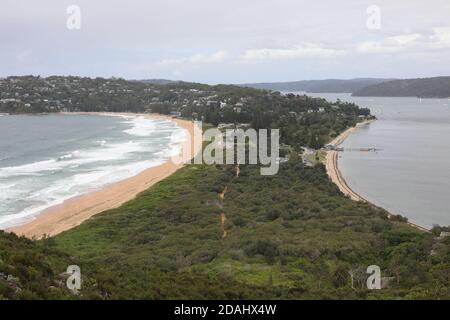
x,y
129,38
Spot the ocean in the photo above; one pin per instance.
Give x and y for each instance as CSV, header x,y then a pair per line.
x,y
409,174
47,159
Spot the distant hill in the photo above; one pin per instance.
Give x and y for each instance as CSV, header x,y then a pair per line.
x,y
437,87
328,85
158,81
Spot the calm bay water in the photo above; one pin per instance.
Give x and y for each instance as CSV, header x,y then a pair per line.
x,y
47,159
410,174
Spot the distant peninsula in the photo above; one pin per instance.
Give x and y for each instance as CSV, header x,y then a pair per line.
x,y
437,87
319,86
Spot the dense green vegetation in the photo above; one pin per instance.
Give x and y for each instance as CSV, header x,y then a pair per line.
x,y
36,270
292,235
438,87
328,85
303,121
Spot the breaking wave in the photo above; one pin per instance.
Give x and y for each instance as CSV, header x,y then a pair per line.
x,y
28,189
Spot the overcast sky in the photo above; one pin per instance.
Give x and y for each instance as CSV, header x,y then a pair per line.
x,y
226,41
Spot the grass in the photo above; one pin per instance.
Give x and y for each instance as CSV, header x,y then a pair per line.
x,y
292,235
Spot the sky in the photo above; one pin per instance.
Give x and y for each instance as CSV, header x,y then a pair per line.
x,y
226,41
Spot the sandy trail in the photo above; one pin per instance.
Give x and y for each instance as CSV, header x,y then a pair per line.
x,y
74,211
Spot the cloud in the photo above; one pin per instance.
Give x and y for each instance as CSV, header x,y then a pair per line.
x,y
298,52
264,40
215,57
413,42
25,57
441,37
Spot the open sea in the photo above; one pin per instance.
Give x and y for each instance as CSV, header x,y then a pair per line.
x,y
409,174
47,159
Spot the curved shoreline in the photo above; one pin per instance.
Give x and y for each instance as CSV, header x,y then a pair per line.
x,y
332,168
331,164
76,210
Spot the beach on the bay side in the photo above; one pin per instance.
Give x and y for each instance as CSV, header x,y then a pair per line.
x,y
331,163
74,211
332,168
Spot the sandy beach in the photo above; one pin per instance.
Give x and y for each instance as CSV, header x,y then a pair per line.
x,y
331,164
74,211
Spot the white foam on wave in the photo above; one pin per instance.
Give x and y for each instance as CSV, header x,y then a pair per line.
x,y
94,177
76,185
142,127
76,158
112,152
28,169
177,138
9,191
68,156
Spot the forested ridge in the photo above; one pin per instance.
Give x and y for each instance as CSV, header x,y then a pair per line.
x,y
215,232
326,85
437,87
303,121
288,236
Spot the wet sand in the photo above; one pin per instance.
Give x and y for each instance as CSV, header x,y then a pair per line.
x,y
74,211
331,164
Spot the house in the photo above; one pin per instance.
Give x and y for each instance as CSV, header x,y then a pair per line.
x,y
243,125
225,126
175,114
444,234
282,160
